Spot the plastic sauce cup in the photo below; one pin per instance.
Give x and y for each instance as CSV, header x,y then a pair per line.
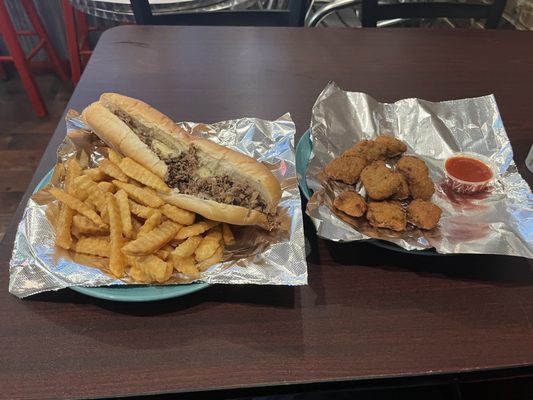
x,y
469,173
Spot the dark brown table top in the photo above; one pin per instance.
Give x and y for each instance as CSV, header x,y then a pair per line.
x,y
367,313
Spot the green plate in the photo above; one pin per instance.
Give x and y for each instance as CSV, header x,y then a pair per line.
x,y
132,293
304,148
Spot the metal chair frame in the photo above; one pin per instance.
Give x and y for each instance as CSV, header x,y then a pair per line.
x,y
294,16
374,14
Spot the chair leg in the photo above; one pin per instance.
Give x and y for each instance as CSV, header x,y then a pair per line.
x,y
19,58
72,41
39,28
83,32
83,29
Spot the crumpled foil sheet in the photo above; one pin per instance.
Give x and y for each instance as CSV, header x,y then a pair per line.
x,y
260,257
499,221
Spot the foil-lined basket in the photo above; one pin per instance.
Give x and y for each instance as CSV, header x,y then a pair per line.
x,y
261,257
496,221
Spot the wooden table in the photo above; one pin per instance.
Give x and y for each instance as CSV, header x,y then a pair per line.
x,y
369,315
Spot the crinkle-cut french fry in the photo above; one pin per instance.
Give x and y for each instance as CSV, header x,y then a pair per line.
x,y
86,187
188,247
63,226
73,170
227,235
90,203
157,269
100,205
153,240
140,210
116,258
139,173
97,246
94,173
77,205
92,260
136,226
113,156
195,229
185,265
138,274
85,225
163,253
75,232
140,195
178,215
215,258
107,187
153,221
125,214
208,246
112,170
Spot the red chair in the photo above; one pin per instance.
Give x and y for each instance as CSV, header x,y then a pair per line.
x,y
77,32
22,61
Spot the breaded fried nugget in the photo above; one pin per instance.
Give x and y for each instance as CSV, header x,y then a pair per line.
x,y
411,165
370,150
387,214
350,202
422,188
346,169
415,170
379,181
394,146
403,190
423,214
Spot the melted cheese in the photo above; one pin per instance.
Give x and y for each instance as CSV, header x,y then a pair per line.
x,y
162,149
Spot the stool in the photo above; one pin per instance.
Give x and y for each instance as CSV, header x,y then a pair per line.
x,y
22,61
77,32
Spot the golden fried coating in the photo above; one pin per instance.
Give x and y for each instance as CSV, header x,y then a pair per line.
x,y
416,171
346,169
423,214
411,165
351,203
370,150
394,146
422,188
379,181
387,214
403,190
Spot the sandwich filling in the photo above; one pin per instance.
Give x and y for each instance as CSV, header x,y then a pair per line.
x,y
183,174
187,174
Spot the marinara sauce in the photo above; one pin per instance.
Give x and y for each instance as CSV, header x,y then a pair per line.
x,y
468,169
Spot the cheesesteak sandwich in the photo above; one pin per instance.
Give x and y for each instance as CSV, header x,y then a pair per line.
x,y
212,180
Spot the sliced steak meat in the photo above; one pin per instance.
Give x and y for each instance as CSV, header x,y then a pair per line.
x,y
134,127
220,188
181,169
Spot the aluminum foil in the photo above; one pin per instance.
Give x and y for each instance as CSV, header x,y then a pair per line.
x,y
498,221
260,257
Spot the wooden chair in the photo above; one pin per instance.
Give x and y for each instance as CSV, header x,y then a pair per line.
x,y
294,16
372,12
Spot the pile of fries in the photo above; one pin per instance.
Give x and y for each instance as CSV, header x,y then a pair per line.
x,y
113,217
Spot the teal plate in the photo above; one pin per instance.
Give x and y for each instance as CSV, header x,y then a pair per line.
x,y
132,293
304,148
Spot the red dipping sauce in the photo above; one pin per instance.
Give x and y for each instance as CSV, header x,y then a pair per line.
x,y
468,169
468,173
